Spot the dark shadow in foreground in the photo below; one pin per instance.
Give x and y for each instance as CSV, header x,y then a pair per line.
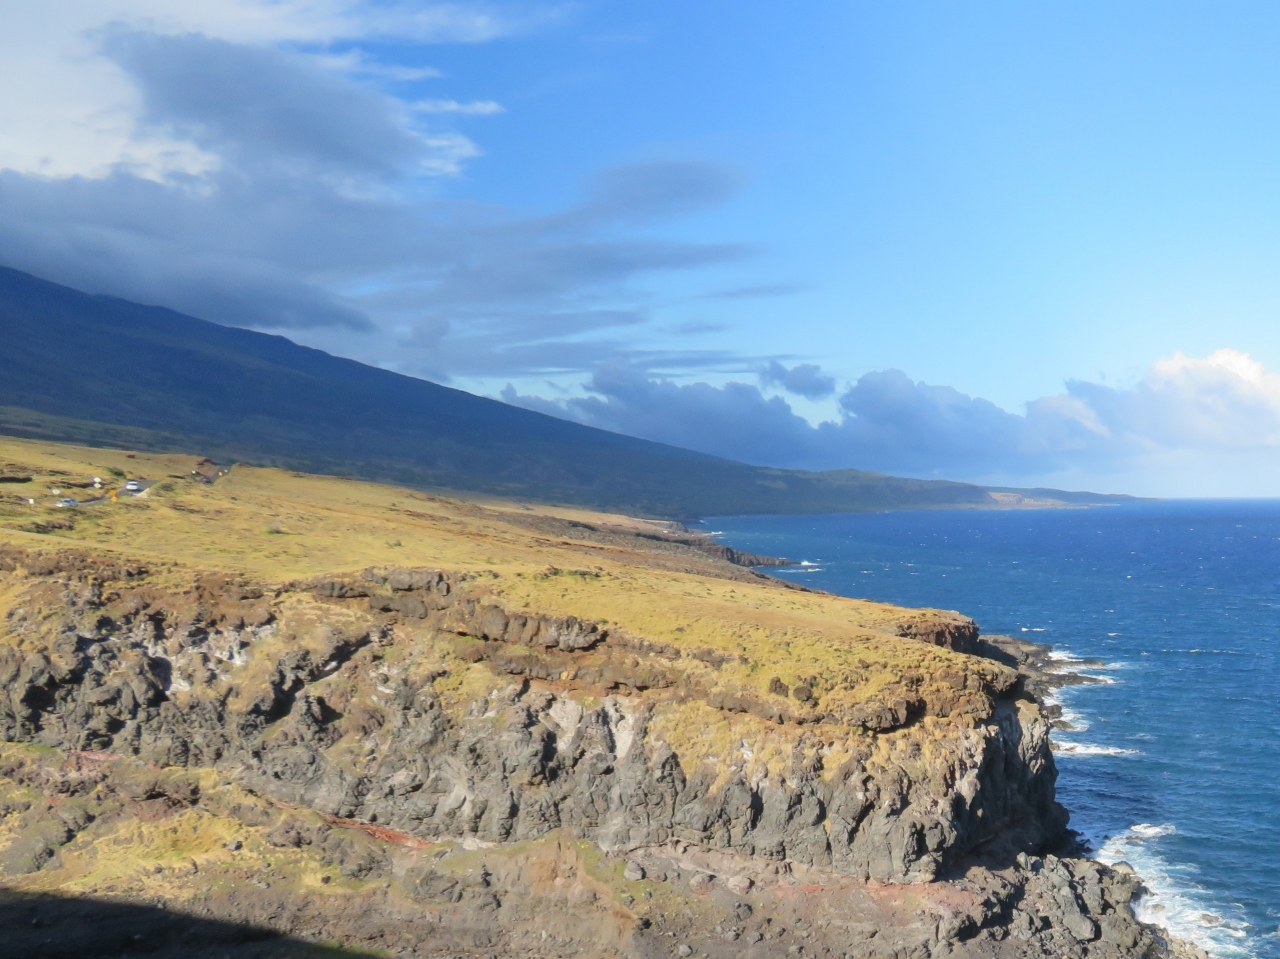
x,y
43,926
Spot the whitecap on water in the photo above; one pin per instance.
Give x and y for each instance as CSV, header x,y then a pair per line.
x,y
1092,749
1174,900
1074,718
1147,831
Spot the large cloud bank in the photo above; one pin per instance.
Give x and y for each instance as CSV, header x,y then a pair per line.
x,y
1188,422
267,163
253,163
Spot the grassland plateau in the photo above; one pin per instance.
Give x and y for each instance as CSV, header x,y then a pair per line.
x,y
263,713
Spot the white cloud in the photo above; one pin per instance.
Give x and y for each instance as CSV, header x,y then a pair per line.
x,y
477,108
67,110
233,160
1190,426
1226,400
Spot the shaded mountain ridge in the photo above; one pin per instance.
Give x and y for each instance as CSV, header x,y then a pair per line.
x,y
104,371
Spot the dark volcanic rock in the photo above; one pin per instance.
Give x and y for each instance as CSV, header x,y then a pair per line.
x,y
340,697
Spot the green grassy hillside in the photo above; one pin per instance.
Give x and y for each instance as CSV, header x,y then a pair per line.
x,y
107,372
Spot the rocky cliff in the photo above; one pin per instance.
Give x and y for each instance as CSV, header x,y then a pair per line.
x,y
535,733
412,701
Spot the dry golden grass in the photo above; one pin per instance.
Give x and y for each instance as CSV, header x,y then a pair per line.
x,y
277,526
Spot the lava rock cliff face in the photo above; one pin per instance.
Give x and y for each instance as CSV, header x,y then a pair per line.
x,y
179,681
412,701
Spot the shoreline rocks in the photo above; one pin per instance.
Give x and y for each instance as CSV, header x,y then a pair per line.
x,y
382,716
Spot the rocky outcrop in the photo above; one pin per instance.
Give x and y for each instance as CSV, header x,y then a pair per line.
x,y
410,701
710,547
950,630
196,679
289,871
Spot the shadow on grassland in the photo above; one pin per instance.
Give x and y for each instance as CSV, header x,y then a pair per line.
x,y
43,926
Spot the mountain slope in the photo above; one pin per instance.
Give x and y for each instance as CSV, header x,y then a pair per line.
x,y
103,370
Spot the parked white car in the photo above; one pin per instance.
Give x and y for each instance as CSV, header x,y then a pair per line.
x,y
133,486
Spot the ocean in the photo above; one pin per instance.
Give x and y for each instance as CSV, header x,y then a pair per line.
x,y
1173,764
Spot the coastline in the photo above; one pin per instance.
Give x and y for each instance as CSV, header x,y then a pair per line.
x,y
1140,738
704,752
1045,672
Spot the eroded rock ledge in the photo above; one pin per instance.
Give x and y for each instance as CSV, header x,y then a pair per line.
x,y
412,702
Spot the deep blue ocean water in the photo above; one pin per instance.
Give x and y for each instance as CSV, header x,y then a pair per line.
x,y
1174,764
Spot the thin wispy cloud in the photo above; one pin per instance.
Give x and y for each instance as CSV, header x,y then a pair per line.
x,y
359,63
764,291
476,108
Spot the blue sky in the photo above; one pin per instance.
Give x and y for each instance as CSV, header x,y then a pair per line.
x,y
998,197
1014,243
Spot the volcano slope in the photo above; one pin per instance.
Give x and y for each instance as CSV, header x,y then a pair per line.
x,y
345,718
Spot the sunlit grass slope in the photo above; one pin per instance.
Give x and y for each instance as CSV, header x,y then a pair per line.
x,y
277,526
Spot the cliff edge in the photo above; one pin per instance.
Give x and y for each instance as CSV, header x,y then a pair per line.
x,y
567,735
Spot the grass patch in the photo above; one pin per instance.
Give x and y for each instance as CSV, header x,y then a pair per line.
x,y
735,634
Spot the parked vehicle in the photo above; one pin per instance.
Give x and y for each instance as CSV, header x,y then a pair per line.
x,y
67,503
133,486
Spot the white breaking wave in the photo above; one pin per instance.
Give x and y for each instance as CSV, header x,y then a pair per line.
x,y
1092,749
1175,901
1064,657
1078,723
1145,830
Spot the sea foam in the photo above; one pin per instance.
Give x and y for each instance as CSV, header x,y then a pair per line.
x,y
1093,749
1075,719
1176,706
1174,900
